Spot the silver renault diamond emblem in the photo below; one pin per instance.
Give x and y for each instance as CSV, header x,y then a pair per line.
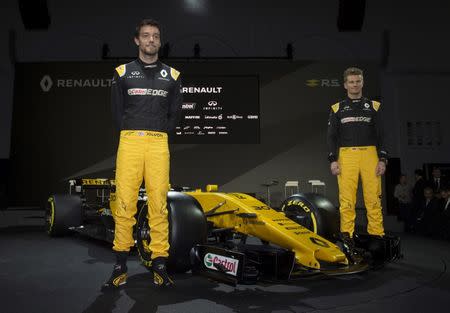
x,y
46,83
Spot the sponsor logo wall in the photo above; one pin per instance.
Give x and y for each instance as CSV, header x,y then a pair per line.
x,y
219,110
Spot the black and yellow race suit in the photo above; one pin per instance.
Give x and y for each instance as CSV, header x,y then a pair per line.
x,y
146,104
355,139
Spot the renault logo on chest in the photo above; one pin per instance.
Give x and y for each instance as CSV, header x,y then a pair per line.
x,y
163,73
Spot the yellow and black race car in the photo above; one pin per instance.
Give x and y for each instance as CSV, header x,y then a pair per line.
x,y
231,237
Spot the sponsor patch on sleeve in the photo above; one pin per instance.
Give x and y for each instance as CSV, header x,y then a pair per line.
x,y
121,70
335,107
174,73
376,105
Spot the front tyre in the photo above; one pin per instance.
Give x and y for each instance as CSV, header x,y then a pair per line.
x,y
315,212
187,227
62,212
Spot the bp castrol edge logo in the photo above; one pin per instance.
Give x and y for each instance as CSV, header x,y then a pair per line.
x,y
230,264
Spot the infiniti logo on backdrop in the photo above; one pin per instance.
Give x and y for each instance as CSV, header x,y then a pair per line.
x,y
47,83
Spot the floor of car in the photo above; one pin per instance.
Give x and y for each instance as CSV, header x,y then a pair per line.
x,y
42,274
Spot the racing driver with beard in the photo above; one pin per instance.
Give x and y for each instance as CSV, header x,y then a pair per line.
x,y
356,147
146,103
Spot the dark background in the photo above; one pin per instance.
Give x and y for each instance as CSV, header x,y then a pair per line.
x,y
63,133
405,42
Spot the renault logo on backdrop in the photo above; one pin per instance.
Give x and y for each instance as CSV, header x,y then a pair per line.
x,y
46,83
324,82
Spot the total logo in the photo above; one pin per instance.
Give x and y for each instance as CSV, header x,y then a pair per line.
x,y
235,117
188,106
230,264
323,82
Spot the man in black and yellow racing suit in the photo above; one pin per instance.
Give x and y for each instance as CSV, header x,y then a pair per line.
x,y
356,147
146,102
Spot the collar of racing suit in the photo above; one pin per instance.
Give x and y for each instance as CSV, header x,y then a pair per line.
x,y
149,66
359,100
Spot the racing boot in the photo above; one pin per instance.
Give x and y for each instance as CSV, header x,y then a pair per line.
x,y
160,276
349,248
119,275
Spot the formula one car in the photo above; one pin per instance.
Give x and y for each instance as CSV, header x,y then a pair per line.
x,y
231,237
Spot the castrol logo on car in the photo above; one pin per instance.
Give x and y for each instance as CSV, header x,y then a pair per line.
x,y
230,264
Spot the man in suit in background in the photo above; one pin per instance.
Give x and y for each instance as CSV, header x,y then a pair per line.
x,y
437,181
428,213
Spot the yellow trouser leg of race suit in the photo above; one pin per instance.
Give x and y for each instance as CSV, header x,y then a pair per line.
x,y
142,154
355,161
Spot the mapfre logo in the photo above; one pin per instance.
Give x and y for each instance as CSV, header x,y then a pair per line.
x,y
215,261
322,83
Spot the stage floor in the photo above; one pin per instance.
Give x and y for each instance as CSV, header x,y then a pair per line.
x,y
58,275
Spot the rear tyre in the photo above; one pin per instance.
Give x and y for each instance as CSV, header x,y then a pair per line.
x,y
62,212
187,227
315,212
